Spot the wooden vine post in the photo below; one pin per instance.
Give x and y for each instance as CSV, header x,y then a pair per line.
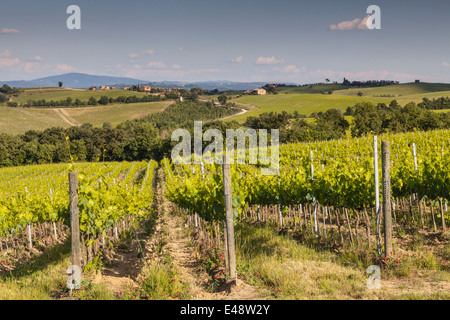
x,y
386,175
75,226
377,193
229,217
316,230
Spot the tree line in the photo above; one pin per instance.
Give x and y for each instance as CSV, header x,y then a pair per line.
x,y
381,118
367,119
369,83
435,104
103,100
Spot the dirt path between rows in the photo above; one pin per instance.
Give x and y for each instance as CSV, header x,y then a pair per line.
x,y
127,266
66,117
235,115
184,257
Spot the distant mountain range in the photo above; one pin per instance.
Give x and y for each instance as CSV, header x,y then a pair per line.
x,y
82,80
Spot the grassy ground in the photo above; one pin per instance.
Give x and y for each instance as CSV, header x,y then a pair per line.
x,y
319,88
398,90
302,103
44,276
306,100
116,113
20,120
293,270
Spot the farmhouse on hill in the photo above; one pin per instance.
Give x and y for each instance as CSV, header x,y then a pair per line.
x,y
146,88
259,91
104,88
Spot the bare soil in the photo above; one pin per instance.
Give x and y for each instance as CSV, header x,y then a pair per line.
x,y
124,270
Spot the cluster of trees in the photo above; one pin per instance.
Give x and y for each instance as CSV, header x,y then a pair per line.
x,y
268,120
381,118
146,138
435,104
369,83
327,125
6,91
367,119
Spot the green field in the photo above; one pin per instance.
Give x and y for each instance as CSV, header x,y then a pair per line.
x,y
302,103
20,120
62,93
298,99
305,100
317,88
398,90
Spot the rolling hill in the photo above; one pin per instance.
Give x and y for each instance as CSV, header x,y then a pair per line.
x,y
396,90
305,100
308,99
20,120
302,103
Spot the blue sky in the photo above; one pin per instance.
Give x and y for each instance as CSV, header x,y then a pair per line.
x,y
245,40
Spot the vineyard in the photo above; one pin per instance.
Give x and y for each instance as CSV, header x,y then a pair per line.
x,y
34,205
324,197
325,192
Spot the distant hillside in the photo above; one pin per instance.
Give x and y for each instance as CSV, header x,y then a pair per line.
x,y
312,89
73,80
396,90
84,81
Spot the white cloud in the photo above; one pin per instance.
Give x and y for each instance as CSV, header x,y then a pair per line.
x,y
185,49
30,67
7,62
176,66
141,54
355,24
291,69
446,64
35,65
156,64
10,31
237,59
174,73
5,53
268,60
64,68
